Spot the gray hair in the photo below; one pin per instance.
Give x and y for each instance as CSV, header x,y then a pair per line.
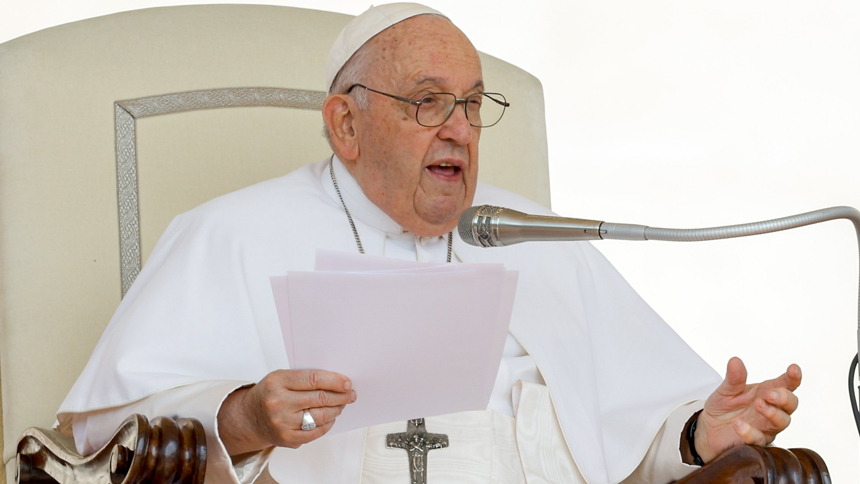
x,y
355,71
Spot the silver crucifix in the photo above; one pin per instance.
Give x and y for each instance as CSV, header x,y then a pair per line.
x,y
417,442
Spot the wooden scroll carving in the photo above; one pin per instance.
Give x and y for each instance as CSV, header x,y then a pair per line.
x,y
174,452
749,464
163,451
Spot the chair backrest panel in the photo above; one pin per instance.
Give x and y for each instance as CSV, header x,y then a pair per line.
x,y
59,217
186,159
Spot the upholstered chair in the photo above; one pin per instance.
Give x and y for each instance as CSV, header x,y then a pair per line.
x,y
110,127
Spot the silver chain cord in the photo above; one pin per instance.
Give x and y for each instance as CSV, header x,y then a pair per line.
x,y
348,216
352,224
450,235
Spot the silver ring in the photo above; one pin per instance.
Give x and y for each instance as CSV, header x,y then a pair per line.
x,y
308,422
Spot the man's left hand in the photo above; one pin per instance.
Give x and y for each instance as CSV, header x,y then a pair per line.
x,y
737,413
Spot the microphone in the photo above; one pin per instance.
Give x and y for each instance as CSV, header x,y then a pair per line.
x,y
491,226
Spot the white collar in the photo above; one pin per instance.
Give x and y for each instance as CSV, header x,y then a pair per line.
x,y
360,207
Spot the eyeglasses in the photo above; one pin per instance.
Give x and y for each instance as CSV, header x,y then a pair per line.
x,y
433,109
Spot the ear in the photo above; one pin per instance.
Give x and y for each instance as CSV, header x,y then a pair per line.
x,y
339,115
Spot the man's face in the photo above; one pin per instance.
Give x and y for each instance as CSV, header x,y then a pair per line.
x,y
422,177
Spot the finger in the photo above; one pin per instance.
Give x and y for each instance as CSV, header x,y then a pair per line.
x,y
316,380
776,416
736,378
784,399
321,416
792,377
748,433
321,398
301,437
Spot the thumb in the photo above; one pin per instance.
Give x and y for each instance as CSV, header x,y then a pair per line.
x,y
736,378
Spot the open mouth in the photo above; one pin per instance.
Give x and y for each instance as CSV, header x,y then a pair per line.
x,y
445,169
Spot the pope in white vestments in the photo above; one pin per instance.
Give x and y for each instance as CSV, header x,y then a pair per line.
x,y
593,386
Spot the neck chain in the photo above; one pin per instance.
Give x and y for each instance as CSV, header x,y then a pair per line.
x,y
349,216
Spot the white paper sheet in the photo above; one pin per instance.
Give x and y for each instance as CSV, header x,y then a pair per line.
x,y
416,339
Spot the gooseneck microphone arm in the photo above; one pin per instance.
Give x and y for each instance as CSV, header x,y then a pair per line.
x,y
490,226
740,230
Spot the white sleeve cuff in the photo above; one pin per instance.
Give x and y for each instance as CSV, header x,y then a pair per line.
x,y
200,400
663,462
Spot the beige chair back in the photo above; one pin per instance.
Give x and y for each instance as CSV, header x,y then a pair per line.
x,y
109,128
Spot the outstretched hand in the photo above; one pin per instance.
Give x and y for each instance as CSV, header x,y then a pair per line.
x,y
738,413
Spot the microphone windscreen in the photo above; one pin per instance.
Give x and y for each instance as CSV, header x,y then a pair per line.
x,y
464,226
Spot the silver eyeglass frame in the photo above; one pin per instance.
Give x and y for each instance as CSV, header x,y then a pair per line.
x,y
489,95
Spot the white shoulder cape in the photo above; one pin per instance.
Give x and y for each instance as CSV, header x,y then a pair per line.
x,y
202,309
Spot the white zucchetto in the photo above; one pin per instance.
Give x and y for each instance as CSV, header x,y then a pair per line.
x,y
364,27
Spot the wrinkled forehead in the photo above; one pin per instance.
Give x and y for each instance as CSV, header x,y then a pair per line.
x,y
365,27
424,48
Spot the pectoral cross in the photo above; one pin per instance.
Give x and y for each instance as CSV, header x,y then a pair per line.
x,y
417,442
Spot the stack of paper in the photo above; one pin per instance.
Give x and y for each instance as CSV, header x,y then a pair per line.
x,y
416,339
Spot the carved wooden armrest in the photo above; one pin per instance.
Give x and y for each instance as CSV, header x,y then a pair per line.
x,y
163,451
747,464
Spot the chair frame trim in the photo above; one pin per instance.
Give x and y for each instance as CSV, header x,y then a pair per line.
x,y
161,451
128,111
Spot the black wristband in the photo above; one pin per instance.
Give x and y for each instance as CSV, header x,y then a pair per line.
x,y
691,440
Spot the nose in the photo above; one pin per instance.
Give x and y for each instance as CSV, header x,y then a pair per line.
x,y
457,127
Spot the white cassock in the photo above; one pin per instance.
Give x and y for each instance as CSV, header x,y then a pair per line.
x,y
200,321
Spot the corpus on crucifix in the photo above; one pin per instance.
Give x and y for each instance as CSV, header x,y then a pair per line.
x,y
417,442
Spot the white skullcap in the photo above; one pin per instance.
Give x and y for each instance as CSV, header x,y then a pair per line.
x,y
364,27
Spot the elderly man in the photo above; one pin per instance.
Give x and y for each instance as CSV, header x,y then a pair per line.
x,y
592,387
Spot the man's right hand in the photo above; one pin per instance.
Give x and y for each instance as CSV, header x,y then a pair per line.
x,y
270,412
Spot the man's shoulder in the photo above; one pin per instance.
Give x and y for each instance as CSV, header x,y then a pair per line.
x,y
279,197
261,211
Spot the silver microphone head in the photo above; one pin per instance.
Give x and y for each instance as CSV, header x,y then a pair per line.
x,y
464,226
476,224
490,226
